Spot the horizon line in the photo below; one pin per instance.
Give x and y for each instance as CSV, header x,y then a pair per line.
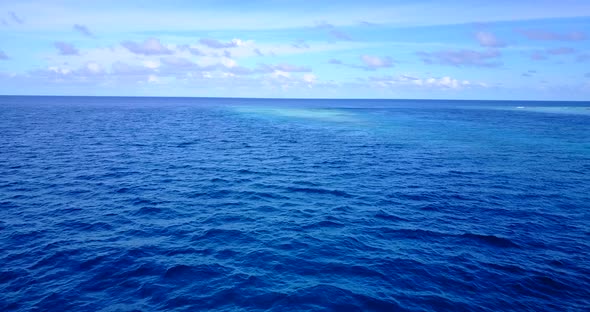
x,y
288,99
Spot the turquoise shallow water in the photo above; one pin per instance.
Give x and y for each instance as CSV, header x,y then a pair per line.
x,y
179,204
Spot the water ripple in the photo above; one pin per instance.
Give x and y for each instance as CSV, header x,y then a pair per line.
x,y
118,204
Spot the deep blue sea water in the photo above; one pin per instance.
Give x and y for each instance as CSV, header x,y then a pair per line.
x,y
181,204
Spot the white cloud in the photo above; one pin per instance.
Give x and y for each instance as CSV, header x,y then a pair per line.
x,y
250,48
183,15
124,69
66,48
94,67
332,31
227,62
151,64
280,74
216,44
59,70
445,82
310,79
283,68
177,62
192,50
153,79
369,62
462,58
150,46
489,40
375,62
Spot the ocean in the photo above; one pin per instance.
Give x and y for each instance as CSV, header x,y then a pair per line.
x,y
188,204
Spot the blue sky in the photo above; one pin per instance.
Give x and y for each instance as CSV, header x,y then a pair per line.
x,y
537,50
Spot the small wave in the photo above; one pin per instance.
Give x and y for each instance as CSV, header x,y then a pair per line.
x,y
226,236
413,197
491,240
214,194
188,251
219,180
187,273
385,216
323,224
24,237
7,276
250,195
187,143
88,264
196,207
337,299
148,211
247,171
84,226
318,191
431,207
139,271
61,258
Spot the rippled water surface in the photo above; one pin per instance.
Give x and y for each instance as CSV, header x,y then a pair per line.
x,y
121,204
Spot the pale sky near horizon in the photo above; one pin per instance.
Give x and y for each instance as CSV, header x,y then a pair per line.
x,y
537,50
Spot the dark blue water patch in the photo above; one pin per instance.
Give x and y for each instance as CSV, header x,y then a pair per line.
x,y
491,240
129,204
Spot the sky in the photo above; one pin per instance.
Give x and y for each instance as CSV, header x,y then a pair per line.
x,y
398,49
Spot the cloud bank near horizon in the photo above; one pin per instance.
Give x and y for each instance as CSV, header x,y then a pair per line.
x,y
368,51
